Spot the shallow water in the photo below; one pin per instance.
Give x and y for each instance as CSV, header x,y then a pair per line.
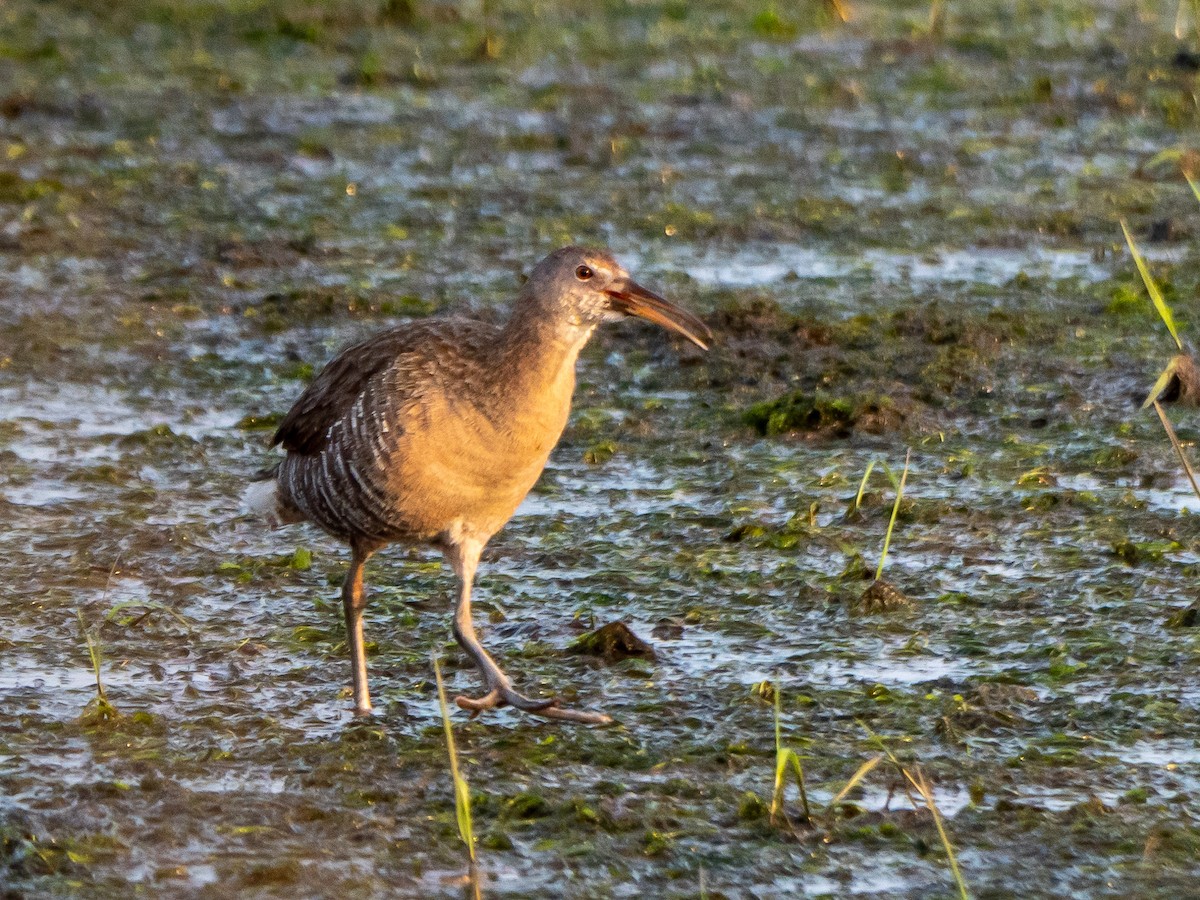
x,y
930,268
922,230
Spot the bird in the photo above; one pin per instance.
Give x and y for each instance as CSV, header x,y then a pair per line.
x,y
432,432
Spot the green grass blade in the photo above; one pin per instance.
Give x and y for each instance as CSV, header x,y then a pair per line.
x,y
1160,385
98,709
862,485
862,772
462,793
1156,296
1192,183
1166,423
778,702
785,758
780,760
94,655
921,783
794,758
887,539
926,795
780,785
891,476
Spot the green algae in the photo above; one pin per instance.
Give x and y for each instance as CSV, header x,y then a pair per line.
x,y
181,253
800,411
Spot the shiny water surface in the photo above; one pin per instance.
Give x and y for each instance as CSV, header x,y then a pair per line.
x,y
906,231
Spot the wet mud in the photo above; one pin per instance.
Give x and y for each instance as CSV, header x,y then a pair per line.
x,y
904,235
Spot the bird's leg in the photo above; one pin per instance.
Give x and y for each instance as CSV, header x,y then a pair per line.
x,y
464,557
354,600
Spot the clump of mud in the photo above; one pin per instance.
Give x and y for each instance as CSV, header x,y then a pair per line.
x,y
1188,617
612,643
880,597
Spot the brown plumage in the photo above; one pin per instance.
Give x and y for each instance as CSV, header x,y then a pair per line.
x,y
434,432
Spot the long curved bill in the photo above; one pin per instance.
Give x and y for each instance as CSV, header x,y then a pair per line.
x,y
632,299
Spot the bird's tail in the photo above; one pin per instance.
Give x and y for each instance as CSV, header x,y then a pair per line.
x,y
261,500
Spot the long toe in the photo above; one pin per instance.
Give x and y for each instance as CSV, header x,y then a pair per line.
x,y
503,696
548,709
582,717
551,710
476,705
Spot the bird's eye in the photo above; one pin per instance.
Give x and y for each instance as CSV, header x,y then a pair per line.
x,y
583,273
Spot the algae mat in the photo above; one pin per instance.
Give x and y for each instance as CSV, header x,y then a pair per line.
x,y
902,227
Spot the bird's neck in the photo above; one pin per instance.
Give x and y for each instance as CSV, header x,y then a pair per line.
x,y
541,351
536,372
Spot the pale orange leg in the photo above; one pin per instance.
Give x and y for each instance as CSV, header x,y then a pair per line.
x,y
354,600
464,558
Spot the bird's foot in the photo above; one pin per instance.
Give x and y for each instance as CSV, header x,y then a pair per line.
x,y
503,695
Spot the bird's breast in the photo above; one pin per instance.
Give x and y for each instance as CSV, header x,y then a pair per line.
x,y
463,463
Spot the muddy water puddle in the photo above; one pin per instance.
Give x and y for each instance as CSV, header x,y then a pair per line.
x,y
910,240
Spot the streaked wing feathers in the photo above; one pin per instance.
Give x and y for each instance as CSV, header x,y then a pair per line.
x,y
305,428
416,349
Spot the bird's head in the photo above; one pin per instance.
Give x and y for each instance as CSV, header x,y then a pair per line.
x,y
586,287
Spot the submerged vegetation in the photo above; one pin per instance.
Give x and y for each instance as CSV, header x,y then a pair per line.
x,y
904,223
98,709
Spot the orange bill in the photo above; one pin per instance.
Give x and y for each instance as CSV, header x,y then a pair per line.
x,y
632,299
